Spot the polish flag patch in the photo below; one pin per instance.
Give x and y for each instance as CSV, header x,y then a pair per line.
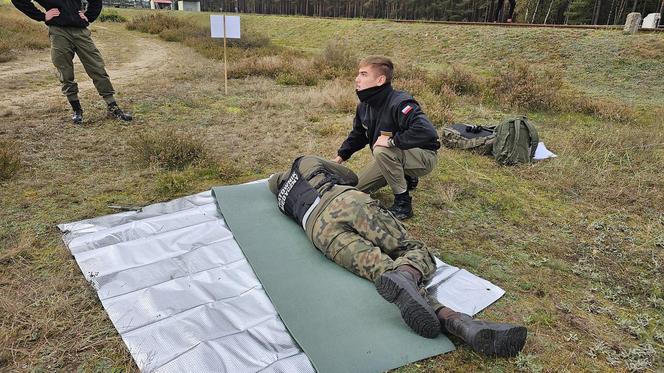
x,y
406,110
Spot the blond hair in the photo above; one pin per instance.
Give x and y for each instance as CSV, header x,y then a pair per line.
x,y
380,63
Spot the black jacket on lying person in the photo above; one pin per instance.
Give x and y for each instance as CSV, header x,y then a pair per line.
x,y
389,110
68,11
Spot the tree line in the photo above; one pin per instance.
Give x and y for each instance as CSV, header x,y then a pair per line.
x,y
595,12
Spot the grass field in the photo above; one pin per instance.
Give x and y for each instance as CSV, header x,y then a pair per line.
x,y
577,242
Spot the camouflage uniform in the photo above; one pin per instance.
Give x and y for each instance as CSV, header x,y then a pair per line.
x,y
355,232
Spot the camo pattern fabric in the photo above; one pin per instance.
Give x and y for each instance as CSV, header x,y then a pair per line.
x,y
360,235
455,137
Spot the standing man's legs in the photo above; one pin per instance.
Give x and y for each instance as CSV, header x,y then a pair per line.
x,y
93,63
511,12
499,8
67,41
62,56
392,166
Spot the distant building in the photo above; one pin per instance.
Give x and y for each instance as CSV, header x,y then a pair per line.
x,y
126,3
161,4
189,6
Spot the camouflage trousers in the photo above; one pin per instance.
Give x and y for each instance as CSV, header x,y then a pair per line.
x,y
360,235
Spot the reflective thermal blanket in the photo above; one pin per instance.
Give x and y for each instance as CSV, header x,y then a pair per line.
x,y
183,297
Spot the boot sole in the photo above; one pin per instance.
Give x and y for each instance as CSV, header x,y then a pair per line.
x,y
415,311
111,116
500,341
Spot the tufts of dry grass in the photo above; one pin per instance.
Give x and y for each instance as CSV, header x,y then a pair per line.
x,y
18,32
604,108
10,161
528,87
457,79
439,106
336,60
169,149
337,95
156,23
111,15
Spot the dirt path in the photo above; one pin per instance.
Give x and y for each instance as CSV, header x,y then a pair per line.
x,y
129,56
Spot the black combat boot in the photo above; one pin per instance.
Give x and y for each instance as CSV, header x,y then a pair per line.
x,y
402,207
411,182
488,338
114,111
77,116
401,288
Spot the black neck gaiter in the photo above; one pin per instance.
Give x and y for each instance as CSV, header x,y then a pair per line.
x,y
375,96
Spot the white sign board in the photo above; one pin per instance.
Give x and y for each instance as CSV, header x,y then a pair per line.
x,y
232,26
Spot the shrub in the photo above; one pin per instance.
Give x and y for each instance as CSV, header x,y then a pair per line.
x,y
249,40
269,66
10,161
528,87
408,72
155,23
438,107
172,183
458,79
414,86
111,15
604,108
339,97
168,149
299,72
336,60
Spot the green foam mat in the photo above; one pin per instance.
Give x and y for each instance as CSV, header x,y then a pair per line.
x,y
337,318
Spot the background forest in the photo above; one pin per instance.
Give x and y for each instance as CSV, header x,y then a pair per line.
x,y
595,12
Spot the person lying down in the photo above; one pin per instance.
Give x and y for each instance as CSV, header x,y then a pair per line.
x,y
356,232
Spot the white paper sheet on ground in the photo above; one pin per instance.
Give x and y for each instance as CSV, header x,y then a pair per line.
x,y
183,297
542,152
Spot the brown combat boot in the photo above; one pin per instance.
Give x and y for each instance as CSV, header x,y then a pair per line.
x,y
487,338
401,287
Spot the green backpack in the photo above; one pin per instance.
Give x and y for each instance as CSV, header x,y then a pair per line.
x,y
516,141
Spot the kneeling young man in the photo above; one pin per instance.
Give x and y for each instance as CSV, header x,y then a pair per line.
x,y
403,141
354,231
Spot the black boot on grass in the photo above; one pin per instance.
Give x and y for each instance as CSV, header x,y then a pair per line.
x,y
402,207
402,287
77,116
114,111
484,337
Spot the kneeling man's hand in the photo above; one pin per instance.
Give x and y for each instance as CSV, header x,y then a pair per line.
x,y
383,141
338,159
51,13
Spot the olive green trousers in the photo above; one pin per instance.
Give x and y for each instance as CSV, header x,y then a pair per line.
x,y
67,41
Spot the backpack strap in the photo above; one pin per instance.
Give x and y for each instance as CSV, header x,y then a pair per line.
x,y
517,137
534,137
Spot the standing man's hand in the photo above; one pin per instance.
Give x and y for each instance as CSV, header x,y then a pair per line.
x,y
82,15
51,13
383,141
338,159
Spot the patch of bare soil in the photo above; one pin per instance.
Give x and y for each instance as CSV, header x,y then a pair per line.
x,y
130,57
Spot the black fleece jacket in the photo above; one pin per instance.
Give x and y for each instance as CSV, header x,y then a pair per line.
x,y
68,11
388,110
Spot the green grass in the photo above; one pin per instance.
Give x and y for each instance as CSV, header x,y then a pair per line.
x,y
576,242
